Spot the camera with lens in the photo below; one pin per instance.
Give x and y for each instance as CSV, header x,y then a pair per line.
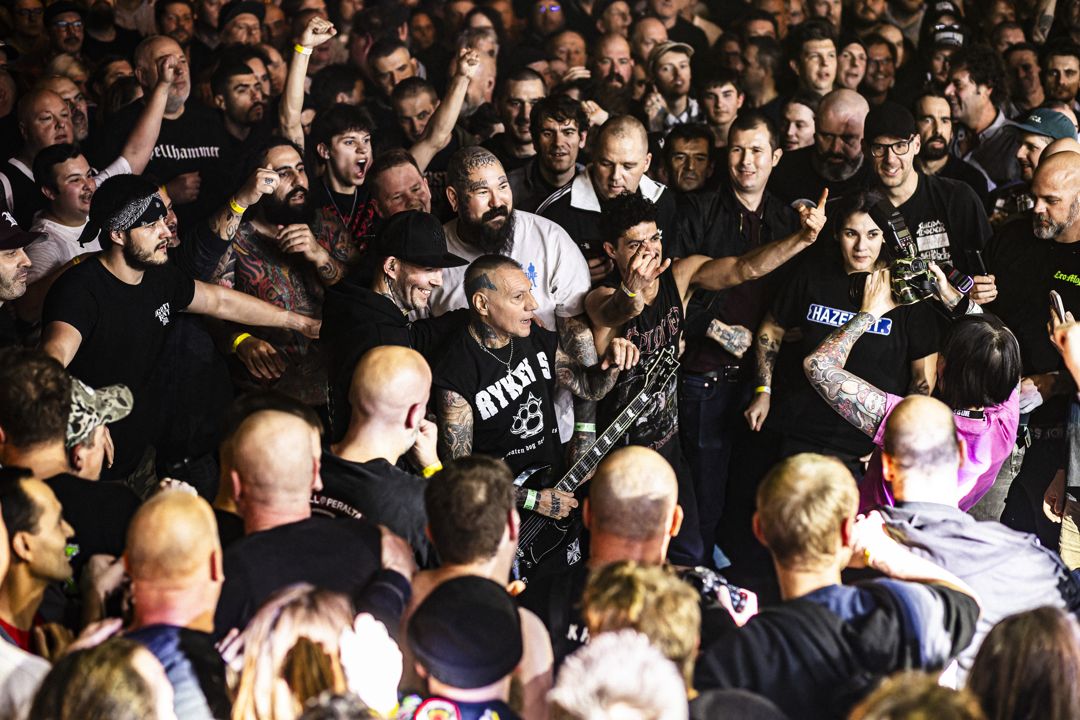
x,y
912,279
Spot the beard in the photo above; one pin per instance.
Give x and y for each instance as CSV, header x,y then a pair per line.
x,y
1046,229
836,172
139,259
283,212
100,17
929,152
491,239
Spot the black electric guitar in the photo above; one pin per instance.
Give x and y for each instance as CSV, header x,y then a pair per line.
x,y
539,536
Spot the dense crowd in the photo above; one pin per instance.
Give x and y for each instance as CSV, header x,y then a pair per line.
x,y
493,359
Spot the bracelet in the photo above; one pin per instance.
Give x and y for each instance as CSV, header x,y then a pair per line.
x,y
431,469
236,207
585,427
239,339
763,389
530,499
626,291
301,50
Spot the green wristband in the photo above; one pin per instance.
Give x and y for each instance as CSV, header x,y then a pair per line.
x,y
585,427
530,499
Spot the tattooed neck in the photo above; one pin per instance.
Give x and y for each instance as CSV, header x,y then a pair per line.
x,y
488,336
384,287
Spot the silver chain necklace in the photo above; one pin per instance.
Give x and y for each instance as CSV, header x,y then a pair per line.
x,y
345,220
506,362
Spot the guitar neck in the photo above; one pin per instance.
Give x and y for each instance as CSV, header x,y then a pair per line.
x,y
603,444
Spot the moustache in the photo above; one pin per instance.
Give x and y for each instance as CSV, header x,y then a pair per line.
x,y
295,192
499,212
936,138
837,157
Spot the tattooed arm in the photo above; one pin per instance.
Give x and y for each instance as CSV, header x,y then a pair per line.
x,y
856,400
1044,20
591,381
455,425
572,332
766,348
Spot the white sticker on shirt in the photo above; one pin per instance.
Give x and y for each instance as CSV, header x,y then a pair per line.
x,y
931,235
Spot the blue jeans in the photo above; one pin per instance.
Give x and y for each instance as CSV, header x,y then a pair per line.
x,y
710,423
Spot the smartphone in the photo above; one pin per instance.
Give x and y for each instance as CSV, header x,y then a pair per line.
x,y
1057,306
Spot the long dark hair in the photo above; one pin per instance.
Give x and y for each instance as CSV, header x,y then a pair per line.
x,y
980,363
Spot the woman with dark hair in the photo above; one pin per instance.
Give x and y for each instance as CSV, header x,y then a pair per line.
x,y
1027,667
116,680
978,376
897,355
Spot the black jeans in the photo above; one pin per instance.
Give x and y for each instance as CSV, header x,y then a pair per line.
x,y
710,423
1023,506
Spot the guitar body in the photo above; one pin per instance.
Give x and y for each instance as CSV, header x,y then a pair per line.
x,y
548,534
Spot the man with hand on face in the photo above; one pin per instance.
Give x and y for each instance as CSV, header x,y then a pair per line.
x,y
410,259
643,303
515,100
836,159
277,258
945,218
559,127
717,372
933,117
496,381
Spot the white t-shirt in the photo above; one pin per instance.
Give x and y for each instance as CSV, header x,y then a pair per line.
x,y
554,264
20,675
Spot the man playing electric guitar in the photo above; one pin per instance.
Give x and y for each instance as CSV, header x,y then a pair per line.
x,y
644,302
496,381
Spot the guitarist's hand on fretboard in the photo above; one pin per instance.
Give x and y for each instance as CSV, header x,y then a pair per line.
x,y
554,503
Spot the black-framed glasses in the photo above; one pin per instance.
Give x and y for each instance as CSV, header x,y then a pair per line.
x,y
900,147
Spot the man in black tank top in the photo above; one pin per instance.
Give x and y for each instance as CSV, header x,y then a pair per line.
x,y
496,380
644,304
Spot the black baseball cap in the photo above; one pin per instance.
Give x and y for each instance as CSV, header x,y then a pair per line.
x,y
59,8
13,237
241,7
467,633
417,237
889,119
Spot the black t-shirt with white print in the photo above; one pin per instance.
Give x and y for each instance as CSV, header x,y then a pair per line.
x,y
817,300
123,329
513,413
947,222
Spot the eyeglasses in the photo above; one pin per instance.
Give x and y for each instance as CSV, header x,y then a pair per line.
x,y
65,24
900,147
549,8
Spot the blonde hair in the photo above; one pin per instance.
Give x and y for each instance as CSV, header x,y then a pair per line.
x,y
801,505
291,653
651,600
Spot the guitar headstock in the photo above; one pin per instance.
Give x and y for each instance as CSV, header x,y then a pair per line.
x,y
663,362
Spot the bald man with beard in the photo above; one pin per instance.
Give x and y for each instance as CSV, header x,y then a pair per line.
x,y
174,561
274,469
360,478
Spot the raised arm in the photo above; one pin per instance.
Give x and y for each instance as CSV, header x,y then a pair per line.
x,y
144,136
854,399
699,271
61,341
441,126
226,221
455,425
766,348
318,31
614,307
225,304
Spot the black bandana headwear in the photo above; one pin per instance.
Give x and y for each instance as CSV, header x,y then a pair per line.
x,y
121,203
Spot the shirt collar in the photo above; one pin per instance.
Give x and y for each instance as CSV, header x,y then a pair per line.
x,y
583,195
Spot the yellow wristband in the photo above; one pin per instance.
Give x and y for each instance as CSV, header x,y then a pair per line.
x,y
763,389
627,292
236,207
239,339
431,469
301,50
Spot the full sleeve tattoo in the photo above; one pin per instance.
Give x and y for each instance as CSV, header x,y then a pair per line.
x,y
576,365
856,400
766,348
455,425
584,409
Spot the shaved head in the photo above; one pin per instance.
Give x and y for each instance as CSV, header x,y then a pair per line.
x,y
388,381
920,432
624,126
633,494
170,539
844,103
1064,166
1061,145
276,456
